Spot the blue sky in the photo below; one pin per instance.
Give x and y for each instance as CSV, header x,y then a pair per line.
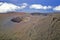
x,y
53,3
43,2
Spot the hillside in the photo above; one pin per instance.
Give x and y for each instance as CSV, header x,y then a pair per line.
x,y
31,27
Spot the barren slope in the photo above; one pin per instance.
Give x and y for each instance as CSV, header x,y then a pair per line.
x,y
36,27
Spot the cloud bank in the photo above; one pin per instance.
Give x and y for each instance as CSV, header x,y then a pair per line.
x,y
9,7
57,8
39,6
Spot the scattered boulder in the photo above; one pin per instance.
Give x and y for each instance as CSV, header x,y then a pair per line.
x,y
16,19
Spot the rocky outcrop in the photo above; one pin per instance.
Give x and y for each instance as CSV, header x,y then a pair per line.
x,y
16,19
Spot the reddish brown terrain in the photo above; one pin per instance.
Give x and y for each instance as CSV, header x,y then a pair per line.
x,y
31,27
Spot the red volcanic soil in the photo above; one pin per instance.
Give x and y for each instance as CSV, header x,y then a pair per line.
x,y
12,13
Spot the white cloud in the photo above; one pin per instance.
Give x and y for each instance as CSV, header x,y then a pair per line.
x,y
38,6
1,3
24,5
57,8
8,7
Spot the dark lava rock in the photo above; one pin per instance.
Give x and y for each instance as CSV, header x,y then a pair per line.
x,y
17,19
44,14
